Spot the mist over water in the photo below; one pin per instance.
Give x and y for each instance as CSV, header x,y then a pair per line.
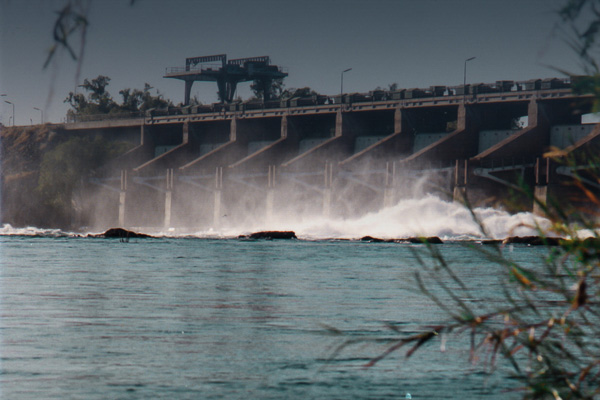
x,y
426,216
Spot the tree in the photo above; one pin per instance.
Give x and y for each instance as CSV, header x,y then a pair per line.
x,y
275,89
141,100
99,100
300,92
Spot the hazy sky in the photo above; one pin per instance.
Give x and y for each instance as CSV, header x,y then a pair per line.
x,y
415,43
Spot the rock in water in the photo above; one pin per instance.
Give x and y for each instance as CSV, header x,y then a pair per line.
x,y
269,235
122,234
430,240
419,240
532,240
370,239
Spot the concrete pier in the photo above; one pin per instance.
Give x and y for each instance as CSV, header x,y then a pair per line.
x,y
168,198
218,194
122,198
270,195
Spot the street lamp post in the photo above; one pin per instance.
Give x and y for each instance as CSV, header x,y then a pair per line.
x,y
13,113
465,78
41,111
342,85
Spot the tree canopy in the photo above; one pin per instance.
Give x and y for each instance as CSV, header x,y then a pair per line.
x,y
99,101
278,91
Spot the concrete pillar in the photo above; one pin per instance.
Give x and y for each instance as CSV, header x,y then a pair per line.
x,y
533,113
398,120
186,132
327,191
460,194
461,121
327,203
540,195
218,197
284,127
168,198
537,117
389,191
233,129
461,171
339,122
217,209
270,200
270,203
122,198
143,134
542,185
389,197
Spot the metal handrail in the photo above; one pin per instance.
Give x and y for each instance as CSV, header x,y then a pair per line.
x,y
103,117
171,71
198,68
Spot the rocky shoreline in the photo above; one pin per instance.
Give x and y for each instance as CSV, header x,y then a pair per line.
x,y
125,235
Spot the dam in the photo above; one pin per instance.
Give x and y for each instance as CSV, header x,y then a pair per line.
x,y
342,155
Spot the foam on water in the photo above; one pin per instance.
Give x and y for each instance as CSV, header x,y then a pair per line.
x,y
8,230
427,216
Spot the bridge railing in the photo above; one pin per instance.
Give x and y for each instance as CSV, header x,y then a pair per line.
x,y
198,68
348,99
72,118
175,71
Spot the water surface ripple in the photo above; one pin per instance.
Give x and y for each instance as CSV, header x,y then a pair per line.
x,y
212,319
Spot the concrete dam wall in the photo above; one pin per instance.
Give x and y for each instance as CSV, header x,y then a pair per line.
x,y
206,166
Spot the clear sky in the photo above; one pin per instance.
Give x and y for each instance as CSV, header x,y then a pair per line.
x,y
415,43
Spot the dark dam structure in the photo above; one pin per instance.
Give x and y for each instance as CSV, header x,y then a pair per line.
x,y
339,156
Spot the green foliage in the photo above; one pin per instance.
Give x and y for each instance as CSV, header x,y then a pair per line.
x,y
276,89
279,92
64,167
142,100
300,92
99,101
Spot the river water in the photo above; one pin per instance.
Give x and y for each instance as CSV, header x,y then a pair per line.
x,y
197,317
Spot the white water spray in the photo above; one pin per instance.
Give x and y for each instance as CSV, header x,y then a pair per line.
x,y
427,216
